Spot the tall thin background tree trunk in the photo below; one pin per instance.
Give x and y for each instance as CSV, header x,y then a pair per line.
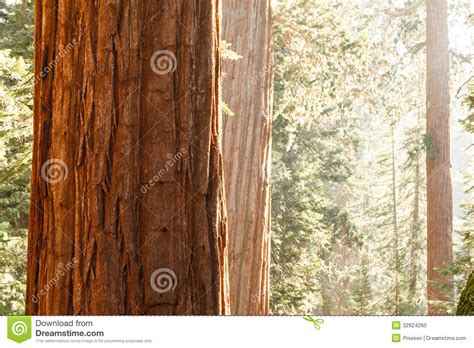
x,y
415,227
127,198
248,91
438,165
396,231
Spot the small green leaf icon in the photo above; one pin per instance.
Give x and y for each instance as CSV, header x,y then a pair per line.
x,y
316,322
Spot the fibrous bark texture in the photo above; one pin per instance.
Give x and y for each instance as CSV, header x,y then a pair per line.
x,y
248,91
439,190
131,219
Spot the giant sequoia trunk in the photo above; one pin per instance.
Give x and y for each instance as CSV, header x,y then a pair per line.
x,y
127,207
246,149
440,205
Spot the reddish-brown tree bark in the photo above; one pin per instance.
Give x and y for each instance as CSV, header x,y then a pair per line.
x,y
438,165
248,91
129,116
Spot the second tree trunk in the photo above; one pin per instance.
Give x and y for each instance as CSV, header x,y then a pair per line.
x,y
247,90
438,164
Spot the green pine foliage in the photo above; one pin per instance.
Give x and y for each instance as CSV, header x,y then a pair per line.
x,y
362,293
466,302
314,143
16,53
463,265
